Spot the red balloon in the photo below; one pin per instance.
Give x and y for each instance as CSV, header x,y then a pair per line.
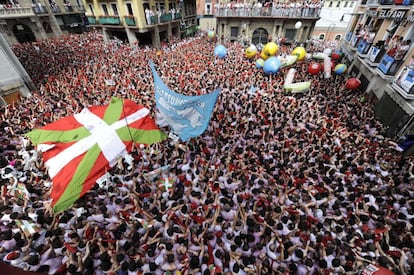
x,y
335,55
352,83
314,68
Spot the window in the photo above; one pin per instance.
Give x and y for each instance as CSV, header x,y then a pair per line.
x,y
172,6
351,4
105,9
129,9
338,4
114,9
346,4
46,27
234,31
208,8
259,37
159,6
338,37
290,34
322,36
91,9
330,4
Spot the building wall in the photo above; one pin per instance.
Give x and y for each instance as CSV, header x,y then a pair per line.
x,y
275,28
147,22
335,16
206,7
394,104
14,80
207,23
39,19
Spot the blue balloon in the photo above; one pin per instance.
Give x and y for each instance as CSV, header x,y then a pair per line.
x,y
220,51
260,63
271,65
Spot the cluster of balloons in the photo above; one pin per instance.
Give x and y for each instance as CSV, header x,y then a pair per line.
x,y
220,51
328,65
210,34
267,61
271,64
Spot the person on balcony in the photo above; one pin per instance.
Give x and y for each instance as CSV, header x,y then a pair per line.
x,y
402,49
393,45
369,39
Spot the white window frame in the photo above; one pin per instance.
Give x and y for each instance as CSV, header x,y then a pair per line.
x,y
210,9
132,8
112,12
90,7
103,10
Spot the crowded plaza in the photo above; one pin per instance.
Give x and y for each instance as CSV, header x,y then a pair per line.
x,y
279,183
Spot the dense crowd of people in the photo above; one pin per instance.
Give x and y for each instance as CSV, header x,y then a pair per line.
x,y
278,184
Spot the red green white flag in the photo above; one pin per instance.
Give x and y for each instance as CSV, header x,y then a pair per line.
x,y
79,149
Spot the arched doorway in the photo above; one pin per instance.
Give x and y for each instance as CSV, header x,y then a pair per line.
x,y
23,33
260,37
46,27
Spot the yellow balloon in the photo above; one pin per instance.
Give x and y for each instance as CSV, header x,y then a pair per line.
x,y
300,52
270,48
251,51
263,55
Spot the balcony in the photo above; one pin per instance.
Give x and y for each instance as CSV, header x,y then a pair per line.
x,y
129,20
268,12
388,67
69,8
16,12
55,9
39,8
109,20
190,30
403,83
394,2
348,36
373,3
154,20
92,20
375,55
363,48
165,18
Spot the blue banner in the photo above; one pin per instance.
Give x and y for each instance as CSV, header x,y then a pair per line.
x,y
188,116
